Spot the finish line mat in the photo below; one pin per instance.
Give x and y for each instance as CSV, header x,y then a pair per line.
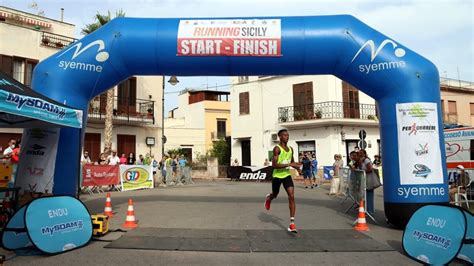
x,y
247,240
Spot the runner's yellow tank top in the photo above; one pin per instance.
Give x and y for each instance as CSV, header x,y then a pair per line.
x,y
283,158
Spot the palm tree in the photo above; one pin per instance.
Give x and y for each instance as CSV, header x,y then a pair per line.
x,y
99,21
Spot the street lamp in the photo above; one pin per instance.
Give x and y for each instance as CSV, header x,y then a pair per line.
x,y
173,81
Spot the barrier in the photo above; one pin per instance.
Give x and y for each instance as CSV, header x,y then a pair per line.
x,y
355,189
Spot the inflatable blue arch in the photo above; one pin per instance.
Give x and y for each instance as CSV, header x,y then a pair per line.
x,y
405,85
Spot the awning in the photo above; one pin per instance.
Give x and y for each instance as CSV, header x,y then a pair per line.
x,y
21,107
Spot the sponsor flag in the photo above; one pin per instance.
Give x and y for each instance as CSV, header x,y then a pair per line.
x,y
135,177
100,175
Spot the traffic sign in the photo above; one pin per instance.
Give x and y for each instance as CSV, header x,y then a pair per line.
x,y
362,144
362,134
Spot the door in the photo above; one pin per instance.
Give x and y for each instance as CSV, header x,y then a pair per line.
x,y
350,98
92,145
246,160
303,101
126,144
350,146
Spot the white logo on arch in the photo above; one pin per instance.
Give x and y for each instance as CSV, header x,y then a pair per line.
x,y
374,52
100,57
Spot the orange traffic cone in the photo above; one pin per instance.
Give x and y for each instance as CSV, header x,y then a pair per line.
x,y
130,220
6,205
108,206
361,223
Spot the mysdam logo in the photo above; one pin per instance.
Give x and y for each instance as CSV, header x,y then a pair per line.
x,y
436,240
258,175
384,65
36,103
100,57
62,227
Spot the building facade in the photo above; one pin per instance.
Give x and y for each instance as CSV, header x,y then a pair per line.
x,y
202,117
28,39
323,114
457,102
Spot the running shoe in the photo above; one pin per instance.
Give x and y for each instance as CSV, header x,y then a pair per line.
x,y
268,201
292,228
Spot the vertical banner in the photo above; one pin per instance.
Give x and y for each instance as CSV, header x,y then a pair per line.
x,y
226,37
38,157
136,177
418,144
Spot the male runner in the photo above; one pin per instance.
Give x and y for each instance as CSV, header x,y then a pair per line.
x,y
281,162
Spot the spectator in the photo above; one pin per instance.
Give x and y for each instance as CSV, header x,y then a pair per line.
x,y
335,182
314,168
266,163
307,171
147,160
154,164
131,159
113,158
182,163
235,162
366,165
102,159
85,158
15,154
163,169
123,159
377,161
140,159
462,181
7,153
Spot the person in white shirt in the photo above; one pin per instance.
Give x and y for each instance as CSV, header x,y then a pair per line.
x,y
8,151
113,158
85,158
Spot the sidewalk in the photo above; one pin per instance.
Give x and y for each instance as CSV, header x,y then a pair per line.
x,y
229,205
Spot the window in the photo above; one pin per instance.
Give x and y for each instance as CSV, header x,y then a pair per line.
x,y
303,101
472,108
350,99
127,96
221,129
244,103
19,68
452,108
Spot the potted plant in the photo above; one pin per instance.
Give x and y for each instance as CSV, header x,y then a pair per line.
x,y
45,41
318,114
371,117
59,44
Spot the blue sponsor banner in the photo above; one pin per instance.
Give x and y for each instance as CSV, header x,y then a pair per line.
x,y
14,234
39,109
435,234
57,224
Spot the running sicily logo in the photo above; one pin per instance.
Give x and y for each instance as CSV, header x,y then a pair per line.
x,y
22,101
374,52
101,56
62,227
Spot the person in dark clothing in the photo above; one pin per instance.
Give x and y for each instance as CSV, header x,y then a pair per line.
x,y
131,159
307,174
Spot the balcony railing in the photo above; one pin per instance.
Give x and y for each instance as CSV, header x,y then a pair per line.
x,y
125,110
215,135
55,40
327,110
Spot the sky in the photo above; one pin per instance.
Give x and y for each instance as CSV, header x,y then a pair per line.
x,y
440,30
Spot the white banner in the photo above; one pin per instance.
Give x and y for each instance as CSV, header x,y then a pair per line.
x,y
225,37
418,144
134,177
37,160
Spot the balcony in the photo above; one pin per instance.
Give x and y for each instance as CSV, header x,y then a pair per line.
x,y
216,135
328,113
55,41
126,110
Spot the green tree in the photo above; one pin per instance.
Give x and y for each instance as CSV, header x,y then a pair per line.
x,y
99,21
221,150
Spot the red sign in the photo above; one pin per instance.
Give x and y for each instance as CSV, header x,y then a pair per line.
x,y
229,37
100,175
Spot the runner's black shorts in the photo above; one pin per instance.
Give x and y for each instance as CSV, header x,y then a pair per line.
x,y
276,183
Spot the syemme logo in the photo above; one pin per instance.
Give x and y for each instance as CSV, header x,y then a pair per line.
x,y
422,149
384,65
433,239
100,57
254,176
35,103
62,227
